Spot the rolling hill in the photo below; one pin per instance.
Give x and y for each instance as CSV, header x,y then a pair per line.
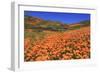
x,y
38,23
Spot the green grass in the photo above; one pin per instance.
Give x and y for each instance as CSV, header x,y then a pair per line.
x,y
35,35
75,27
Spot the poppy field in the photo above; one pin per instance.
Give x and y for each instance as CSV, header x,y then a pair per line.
x,y
73,44
49,40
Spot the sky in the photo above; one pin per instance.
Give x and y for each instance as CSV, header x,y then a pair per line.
x,y
66,18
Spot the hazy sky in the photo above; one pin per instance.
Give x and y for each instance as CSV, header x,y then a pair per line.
x,y
68,18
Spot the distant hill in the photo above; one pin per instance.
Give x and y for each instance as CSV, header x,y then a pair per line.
x,y
31,20
37,23
85,23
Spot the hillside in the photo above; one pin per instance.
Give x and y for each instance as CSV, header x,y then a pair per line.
x,y
37,23
40,24
74,44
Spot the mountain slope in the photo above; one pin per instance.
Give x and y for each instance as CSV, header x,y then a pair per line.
x,y
38,23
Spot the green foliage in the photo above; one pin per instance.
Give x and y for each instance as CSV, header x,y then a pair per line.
x,y
28,26
85,23
75,27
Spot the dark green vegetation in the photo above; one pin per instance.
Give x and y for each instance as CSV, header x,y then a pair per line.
x,y
85,23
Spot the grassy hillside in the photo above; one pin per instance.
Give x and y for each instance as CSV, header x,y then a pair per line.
x,y
37,28
37,23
